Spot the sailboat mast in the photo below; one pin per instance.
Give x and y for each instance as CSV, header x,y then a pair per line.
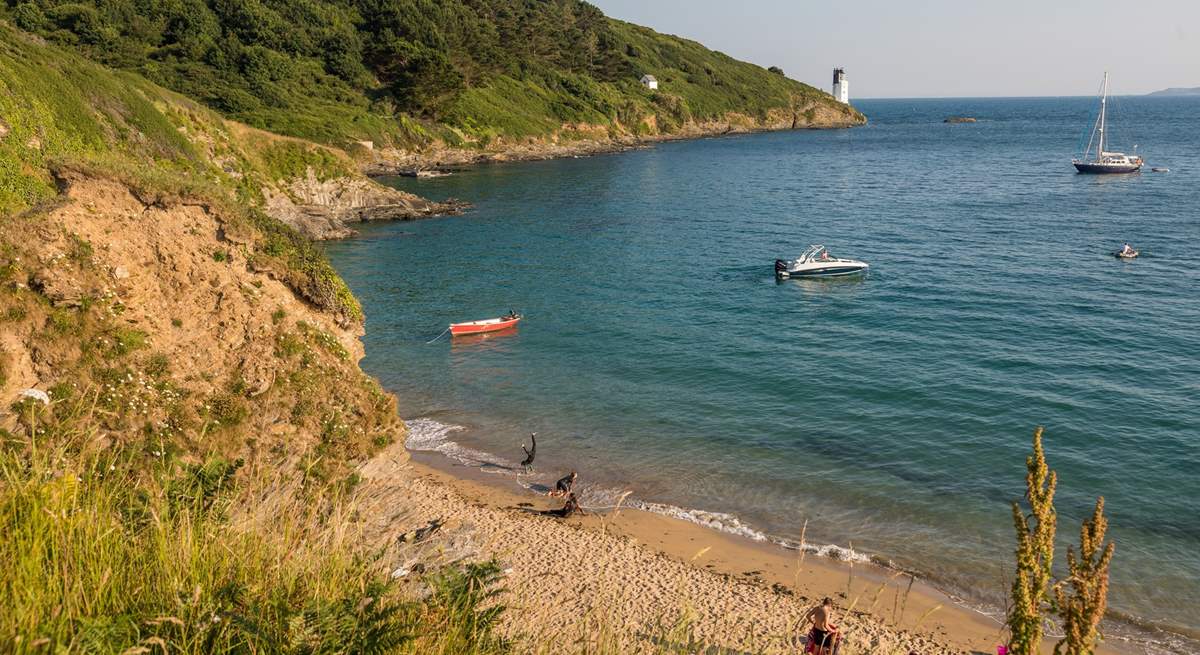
x,y
1103,105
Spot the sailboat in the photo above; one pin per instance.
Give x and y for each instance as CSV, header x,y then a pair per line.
x,y
1105,161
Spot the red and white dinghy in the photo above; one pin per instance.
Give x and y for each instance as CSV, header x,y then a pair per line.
x,y
487,325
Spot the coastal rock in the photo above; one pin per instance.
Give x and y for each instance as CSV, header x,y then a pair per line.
x,y
581,140
325,209
960,119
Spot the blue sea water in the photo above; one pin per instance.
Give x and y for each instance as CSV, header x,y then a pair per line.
x,y
890,415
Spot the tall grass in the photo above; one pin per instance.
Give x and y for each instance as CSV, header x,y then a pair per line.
x,y
110,550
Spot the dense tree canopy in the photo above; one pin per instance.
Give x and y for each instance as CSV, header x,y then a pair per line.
x,y
295,65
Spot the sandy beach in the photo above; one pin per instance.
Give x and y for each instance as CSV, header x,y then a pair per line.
x,y
642,580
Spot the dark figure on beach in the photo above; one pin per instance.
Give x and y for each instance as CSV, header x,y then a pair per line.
x,y
569,508
823,639
530,452
564,485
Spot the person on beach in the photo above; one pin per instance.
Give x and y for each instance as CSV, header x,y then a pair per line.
x,y
530,452
564,485
569,508
822,640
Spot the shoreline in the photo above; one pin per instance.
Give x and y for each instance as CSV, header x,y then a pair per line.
x,y
885,594
917,608
407,163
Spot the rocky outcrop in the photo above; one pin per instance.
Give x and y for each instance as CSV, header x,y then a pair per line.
x,y
325,209
575,140
960,119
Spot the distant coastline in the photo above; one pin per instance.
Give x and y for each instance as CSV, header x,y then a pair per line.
x,y
1176,91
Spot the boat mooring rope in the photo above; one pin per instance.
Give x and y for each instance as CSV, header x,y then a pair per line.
x,y
438,336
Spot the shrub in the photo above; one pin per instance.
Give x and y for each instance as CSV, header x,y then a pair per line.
x,y
1082,608
226,410
125,341
1035,552
1034,591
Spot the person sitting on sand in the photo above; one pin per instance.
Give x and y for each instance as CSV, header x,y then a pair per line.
x,y
564,485
530,452
824,635
569,508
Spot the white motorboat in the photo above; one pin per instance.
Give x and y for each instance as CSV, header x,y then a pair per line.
x,y
817,262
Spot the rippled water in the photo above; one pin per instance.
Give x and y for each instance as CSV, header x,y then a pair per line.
x,y
892,414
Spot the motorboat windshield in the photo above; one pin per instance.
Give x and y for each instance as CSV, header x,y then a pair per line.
x,y
813,253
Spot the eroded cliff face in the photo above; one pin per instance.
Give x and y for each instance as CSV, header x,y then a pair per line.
x,y
167,320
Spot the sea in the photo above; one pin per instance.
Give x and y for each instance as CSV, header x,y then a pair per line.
x,y
885,418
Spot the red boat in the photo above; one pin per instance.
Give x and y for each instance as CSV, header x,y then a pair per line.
x,y
487,325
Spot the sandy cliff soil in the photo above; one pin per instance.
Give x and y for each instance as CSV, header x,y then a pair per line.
x,y
185,332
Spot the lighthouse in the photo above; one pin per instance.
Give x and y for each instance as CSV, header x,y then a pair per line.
x,y
841,87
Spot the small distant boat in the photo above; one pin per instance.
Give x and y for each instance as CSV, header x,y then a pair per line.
x,y
1126,253
1160,169
817,262
1104,161
487,325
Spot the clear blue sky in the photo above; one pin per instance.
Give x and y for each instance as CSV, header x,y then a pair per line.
x,y
947,48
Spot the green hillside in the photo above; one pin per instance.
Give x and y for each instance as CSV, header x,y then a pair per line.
x,y
61,113
408,71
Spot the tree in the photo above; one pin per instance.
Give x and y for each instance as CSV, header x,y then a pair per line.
x,y
775,69
1035,553
1082,609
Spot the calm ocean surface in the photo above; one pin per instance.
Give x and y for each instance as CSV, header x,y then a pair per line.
x,y
892,414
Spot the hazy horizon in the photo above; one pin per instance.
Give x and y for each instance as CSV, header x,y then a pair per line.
x,y
944,48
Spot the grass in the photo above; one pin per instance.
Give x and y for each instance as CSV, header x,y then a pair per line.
x,y
114,550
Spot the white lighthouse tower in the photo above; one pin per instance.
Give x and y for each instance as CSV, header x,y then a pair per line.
x,y
841,87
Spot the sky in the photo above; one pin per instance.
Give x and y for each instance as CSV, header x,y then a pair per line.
x,y
946,48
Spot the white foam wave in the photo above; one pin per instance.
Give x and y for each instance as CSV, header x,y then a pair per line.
x,y
428,435
730,524
720,521
425,434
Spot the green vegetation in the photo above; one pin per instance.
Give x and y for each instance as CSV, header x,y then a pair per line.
x,y
1034,591
467,70
1035,553
132,524
117,551
67,116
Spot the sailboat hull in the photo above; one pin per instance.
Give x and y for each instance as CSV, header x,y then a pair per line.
x,y
1087,167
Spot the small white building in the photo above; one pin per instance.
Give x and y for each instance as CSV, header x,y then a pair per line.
x,y
841,86
650,82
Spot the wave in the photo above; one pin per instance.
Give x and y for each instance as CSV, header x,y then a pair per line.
x,y
429,435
